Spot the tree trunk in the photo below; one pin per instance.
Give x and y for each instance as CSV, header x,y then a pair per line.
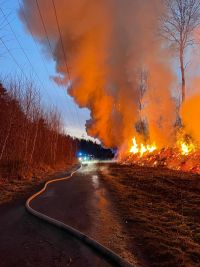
x,y
34,142
7,136
5,142
182,76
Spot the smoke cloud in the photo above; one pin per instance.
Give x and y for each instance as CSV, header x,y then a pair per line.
x,y
105,43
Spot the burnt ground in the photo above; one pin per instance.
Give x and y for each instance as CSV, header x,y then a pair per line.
x,y
161,210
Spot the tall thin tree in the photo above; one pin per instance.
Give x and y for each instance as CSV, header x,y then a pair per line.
x,y
178,24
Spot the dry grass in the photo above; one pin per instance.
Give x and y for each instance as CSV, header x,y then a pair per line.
x,y
17,186
161,209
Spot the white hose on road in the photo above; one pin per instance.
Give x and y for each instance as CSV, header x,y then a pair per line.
x,y
106,252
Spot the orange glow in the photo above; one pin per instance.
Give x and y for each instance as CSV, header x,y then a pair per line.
x,y
142,149
186,149
184,155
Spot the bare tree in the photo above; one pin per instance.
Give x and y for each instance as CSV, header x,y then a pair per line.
x,y
178,24
142,81
31,137
142,85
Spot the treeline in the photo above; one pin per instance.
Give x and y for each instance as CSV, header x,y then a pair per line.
x,y
30,137
91,148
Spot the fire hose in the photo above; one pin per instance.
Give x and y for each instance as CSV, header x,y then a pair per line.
x,y
101,249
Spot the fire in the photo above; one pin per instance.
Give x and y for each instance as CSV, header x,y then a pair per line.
x,y
183,155
142,149
186,149
134,149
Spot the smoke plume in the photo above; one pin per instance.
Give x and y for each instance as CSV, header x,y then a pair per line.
x,y
105,44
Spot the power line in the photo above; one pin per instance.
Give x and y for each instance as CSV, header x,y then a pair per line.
x,y
47,37
61,40
65,57
37,48
22,49
44,27
13,58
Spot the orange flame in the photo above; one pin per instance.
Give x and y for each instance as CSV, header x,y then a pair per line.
x,y
183,155
186,149
141,149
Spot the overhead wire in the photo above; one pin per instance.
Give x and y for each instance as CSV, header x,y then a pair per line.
x,y
64,53
12,57
23,51
47,37
42,59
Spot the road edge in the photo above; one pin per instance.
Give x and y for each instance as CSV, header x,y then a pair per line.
x,y
106,252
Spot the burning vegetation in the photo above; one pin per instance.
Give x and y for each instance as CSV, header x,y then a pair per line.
x,y
183,156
